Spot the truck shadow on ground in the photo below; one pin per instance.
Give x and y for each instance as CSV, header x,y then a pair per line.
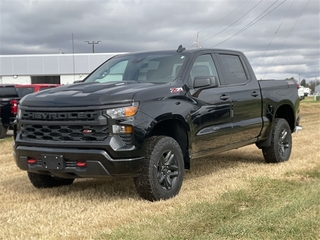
x,y
232,159
113,189
9,134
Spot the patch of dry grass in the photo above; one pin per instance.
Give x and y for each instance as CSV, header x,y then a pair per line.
x,y
91,206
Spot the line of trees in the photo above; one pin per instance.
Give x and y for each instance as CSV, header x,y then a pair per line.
x,y
312,84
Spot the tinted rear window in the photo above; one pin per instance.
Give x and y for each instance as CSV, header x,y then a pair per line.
x,y
8,92
235,73
24,91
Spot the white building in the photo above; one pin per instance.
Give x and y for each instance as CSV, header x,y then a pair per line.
x,y
49,68
317,89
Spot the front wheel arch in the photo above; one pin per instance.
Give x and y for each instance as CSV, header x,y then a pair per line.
x,y
177,130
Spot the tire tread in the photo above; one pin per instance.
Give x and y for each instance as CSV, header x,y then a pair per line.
x,y
145,184
271,154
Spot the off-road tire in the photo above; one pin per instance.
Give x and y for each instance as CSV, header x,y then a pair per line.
x,y
163,170
281,142
3,131
48,181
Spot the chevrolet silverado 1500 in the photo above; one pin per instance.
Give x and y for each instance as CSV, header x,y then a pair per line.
x,y
149,115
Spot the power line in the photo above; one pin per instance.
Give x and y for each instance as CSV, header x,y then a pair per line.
x,y
232,23
287,37
254,21
197,39
276,32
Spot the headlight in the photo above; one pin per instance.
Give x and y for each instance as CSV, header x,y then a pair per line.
x,y
123,112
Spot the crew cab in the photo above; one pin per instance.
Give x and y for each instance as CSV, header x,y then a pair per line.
x,y
149,115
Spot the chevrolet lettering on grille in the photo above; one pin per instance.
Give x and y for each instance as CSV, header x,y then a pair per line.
x,y
56,116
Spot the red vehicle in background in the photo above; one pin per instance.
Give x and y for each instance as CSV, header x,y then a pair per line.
x,y
10,94
24,89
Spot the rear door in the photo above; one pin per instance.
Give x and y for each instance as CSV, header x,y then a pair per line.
x,y
245,97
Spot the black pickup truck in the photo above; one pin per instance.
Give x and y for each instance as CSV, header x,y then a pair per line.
x,y
148,115
8,103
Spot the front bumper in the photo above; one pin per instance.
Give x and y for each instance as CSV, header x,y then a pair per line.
x,y
98,163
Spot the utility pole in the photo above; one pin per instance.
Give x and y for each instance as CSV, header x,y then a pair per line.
x,y
197,41
93,43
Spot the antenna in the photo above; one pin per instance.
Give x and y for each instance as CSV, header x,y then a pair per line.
x,y
197,40
181,49
74,70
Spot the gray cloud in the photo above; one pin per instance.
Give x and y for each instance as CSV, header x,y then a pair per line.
x,y
284,43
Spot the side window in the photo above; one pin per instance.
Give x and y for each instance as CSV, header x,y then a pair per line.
x,y
203,66
233,68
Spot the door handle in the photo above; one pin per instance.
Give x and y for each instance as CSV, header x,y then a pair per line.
x,y
224,97
254,94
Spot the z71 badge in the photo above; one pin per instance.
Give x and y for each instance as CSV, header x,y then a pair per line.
x,y
175,90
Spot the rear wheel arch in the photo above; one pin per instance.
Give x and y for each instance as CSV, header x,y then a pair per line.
x,y
286,112
280,146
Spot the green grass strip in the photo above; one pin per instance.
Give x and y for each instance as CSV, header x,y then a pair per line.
x,y
268,209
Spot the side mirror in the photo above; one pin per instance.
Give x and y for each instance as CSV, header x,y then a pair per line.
x,y
207,81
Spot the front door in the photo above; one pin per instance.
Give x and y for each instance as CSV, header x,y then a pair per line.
x,y
211,122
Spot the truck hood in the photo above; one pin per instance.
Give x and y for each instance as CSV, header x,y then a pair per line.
x,y
84,94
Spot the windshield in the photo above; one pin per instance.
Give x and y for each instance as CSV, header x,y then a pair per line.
x,y
153,67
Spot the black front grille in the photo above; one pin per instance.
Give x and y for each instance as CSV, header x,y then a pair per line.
x,y
64,132
75,125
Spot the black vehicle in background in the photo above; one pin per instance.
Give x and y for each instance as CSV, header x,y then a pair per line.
x,y
149,115
8,98
10,94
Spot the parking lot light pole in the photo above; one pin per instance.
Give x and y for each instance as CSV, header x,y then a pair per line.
x,y
93,43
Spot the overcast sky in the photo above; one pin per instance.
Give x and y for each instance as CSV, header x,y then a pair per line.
x,y
280,37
